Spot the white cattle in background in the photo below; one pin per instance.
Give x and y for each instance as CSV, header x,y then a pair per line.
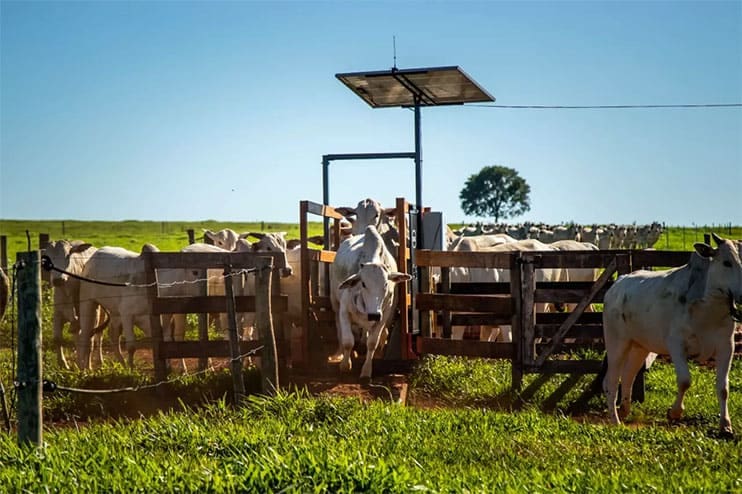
x,y
576,274
371,212
225,239
363,294
683,312
495,275
126,305
4,293
70,257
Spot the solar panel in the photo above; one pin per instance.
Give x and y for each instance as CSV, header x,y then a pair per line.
x,y
431,86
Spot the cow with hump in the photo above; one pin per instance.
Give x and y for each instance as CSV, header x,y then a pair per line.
x,y
363,279
686,312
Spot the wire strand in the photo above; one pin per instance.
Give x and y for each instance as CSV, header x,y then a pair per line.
x,y
608,107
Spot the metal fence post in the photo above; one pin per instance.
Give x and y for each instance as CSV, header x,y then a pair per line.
x,y
29,348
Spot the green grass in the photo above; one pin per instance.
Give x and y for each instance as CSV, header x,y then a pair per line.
x,y
462,434
167,236
294,443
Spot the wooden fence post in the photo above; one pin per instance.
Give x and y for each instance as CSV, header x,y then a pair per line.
x,y
516,327
191,236
43,244
29,348
4,253
235,363
264,325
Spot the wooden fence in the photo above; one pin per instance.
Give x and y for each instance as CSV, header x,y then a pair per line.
x,y
267,309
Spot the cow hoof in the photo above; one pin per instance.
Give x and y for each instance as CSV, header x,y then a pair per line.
x,y
673,417
365,381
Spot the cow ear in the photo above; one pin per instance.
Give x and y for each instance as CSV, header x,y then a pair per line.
x,y
717,239
704,250
209,234
350,281
346,211
258,235
293,243
396,277
80,247
317,239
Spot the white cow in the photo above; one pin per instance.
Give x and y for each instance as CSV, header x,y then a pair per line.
x,y
576,274
371,212
70,257
682,312
225,239
4,293
127,305
363,281
494,275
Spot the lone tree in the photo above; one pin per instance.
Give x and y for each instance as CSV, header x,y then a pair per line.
x,y
496,191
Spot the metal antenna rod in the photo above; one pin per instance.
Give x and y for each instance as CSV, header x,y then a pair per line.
x,y
394,43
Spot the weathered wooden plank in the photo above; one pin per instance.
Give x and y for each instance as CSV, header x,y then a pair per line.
x,y
465,303
572,259
599,284
559,317
663,258
477,288
468,348
486,319
211,304
560,295
463,259
527,314
212,260
322,210
198,349
576,331
322,256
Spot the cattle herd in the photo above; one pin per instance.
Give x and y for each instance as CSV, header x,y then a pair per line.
x,y
604,236
683,312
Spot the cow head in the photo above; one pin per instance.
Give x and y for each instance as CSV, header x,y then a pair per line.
x,y
371,287
368,212
724,277
61,254
272,242
226,238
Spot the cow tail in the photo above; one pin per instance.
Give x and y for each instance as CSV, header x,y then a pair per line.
x,y
102,325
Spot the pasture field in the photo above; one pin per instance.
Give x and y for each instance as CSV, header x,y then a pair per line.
x,y
462,431
466,443
172,236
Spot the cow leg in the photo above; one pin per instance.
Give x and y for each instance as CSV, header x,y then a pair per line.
x,y
127,325
372,341
58,323
615,355
346,340
682,374
114,335
723,365
632,363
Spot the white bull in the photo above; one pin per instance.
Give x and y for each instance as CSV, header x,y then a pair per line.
x,y
70,257
363,278
682,312
127,305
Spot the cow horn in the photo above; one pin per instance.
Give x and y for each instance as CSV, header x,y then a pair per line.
x,y
717,239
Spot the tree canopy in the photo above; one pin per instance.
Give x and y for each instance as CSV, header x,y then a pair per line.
x,y
497,192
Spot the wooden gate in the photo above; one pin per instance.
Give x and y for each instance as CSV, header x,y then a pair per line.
x,y
318,338
204,304
542,342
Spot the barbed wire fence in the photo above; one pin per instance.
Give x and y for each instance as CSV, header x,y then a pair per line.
x,y
21,384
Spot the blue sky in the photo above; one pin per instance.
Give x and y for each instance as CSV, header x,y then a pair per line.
x,y
193,111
